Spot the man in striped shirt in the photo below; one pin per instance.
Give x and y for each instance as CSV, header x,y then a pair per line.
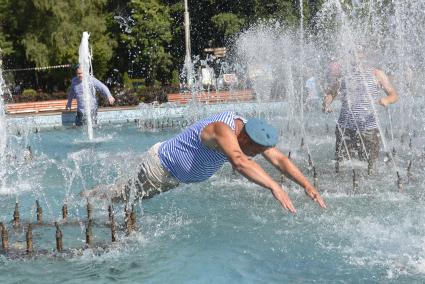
x,y
357,129
200,151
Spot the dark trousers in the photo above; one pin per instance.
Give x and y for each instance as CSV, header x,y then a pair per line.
x,y
351,140
80,118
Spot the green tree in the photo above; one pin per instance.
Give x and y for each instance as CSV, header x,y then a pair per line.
x,y
48,32
148,42
228,23
6,45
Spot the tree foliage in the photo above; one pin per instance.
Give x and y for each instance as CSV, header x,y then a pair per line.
x,y
48,32
148,42
142,37
228,23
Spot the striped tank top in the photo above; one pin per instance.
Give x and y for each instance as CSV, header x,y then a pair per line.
x,y
187,159
359,92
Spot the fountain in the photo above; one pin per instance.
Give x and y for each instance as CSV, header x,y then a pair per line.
x,y
3,131
84,60
227,229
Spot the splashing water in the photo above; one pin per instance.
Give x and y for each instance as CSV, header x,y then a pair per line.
x,y
84,60
285,57
223,229
3,130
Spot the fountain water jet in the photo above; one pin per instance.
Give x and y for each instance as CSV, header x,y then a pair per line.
x,y
84,60
3,130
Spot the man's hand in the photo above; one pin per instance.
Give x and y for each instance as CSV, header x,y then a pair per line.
x,y
312,192
68,108
327,100
383,101
284,199
111,100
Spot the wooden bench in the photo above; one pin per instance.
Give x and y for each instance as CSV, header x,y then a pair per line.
x,y
212,97
36,107
183,98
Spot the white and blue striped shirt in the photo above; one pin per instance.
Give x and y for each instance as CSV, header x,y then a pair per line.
x,y
187,159
359,91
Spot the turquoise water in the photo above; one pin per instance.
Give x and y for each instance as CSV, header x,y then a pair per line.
x,y
225,230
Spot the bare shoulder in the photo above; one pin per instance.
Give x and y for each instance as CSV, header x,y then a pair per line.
x,y
210,132
215,127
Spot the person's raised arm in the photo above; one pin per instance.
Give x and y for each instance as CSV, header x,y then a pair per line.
x,y
219,133
290,170
385,83
333,82
100,87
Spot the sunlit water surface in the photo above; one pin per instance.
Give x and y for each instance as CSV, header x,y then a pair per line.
x,y
225,230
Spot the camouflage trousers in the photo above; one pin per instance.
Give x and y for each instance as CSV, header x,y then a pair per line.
x,y
364,144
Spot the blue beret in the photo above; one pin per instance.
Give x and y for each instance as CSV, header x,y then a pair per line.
x,y
261,132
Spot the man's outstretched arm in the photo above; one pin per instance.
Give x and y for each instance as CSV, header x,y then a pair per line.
x,y
222,135
100,87
290,170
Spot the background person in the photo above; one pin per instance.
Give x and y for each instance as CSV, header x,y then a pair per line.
x,y
357,128
75,91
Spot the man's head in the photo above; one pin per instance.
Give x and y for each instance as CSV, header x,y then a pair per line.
x,y
78,72
360,51
258,136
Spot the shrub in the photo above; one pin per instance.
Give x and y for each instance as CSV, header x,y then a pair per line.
x,y
175,77
123,96
28,95
126,81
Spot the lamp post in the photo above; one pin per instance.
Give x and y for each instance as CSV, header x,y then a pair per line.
x,y
187,43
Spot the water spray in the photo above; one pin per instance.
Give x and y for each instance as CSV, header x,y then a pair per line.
x,y
369,166
315,178
59,236
133,218
65,211
355,182
387,134
310,162
39,213
4,237
84,61
127,218
89,233
112,223
28,237
399,182
409,173
89,211
89,241
16,218
28,155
